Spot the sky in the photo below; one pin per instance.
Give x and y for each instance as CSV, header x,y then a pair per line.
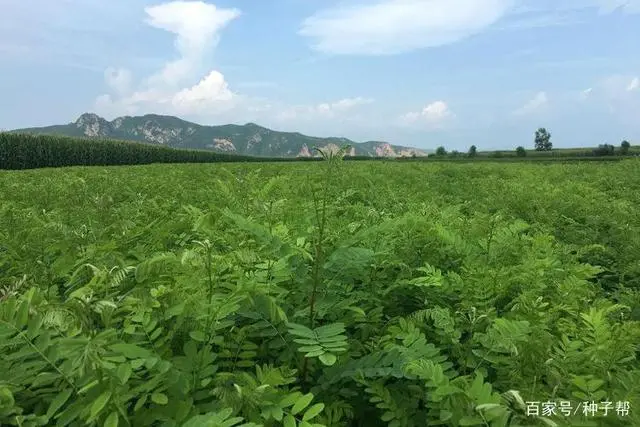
x,y
419,73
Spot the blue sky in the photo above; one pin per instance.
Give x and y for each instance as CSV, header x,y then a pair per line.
x,y
413,72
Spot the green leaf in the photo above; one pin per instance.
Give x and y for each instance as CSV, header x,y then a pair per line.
x,y
99,404
350,261
547,421
329,330
277,413
302,403
306,341
580,395
334,345
112,420
300,330
23,315
131,351
387,416
290,399
313,411
289,421
71,413
445,415
581,383
175,310
33,326
487,406
137,363
88,386
60,399
328,359
140,403
315,353
159,398
198,336
341,339
124,372
310,348
471,421
156,334
595,384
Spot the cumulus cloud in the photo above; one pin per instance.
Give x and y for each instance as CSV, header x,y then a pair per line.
x,y
323,110
175,88
634,84
196,25
433,115
212,88
539,101
395,26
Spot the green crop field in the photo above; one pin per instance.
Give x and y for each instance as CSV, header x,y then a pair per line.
x,y
329,293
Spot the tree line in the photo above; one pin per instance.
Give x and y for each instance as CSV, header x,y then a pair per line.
x,y
542,144
28,151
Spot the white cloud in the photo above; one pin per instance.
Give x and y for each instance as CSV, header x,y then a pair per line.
x,y
433,115
383,27
614,96
602,6
539,101
349,103
617,86
395,26
586,94
175,88
627,6
211,89
323,110
541,20
196,25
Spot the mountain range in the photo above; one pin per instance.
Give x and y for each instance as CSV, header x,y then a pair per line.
x,y
249,139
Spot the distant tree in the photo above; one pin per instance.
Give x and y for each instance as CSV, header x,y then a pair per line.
x,y
521,152
543,140
604,150
440,151
473,150
497,154
454,153
624,147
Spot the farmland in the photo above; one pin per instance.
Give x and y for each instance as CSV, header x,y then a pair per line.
x,y
320,294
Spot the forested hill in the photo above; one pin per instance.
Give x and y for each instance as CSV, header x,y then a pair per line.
x,y
249,139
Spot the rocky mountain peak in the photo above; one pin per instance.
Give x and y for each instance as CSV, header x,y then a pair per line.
x,y
92,125
87,118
